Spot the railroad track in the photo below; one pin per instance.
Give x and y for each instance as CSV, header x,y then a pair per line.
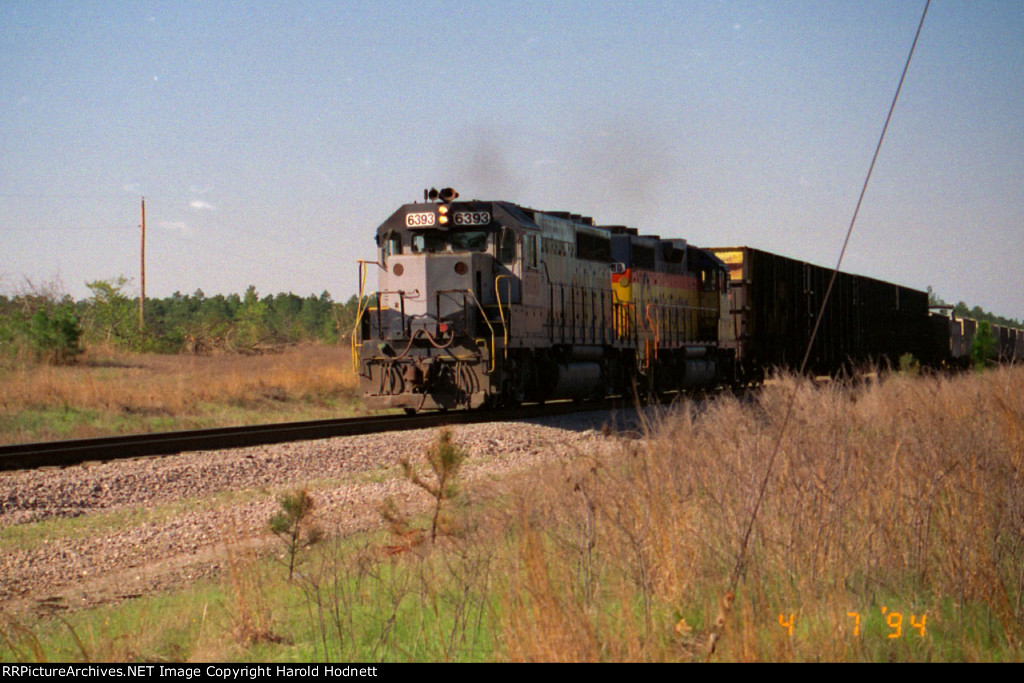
x,y
73,452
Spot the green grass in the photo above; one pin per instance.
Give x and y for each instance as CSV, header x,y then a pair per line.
x,y
349,603
57,422
67,422
333,611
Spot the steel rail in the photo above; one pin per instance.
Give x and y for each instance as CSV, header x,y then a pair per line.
x,y
73,452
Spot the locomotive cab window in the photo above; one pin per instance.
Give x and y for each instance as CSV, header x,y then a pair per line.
x,y
643,257
393,244
431,241
428,241
531,251
507,248
712,281
469,240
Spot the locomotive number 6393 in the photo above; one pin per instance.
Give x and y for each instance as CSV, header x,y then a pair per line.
x,y
415,220
471,218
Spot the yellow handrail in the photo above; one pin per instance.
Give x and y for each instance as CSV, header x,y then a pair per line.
x,y
654,328
360,309
654,333
483,314
501,313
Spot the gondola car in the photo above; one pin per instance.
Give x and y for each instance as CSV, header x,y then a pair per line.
x,y
776,302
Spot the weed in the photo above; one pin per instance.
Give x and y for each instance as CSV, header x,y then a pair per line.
x,y
20,644
909,365
249,611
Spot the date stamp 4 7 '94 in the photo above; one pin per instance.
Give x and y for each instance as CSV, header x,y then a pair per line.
x,y
896,623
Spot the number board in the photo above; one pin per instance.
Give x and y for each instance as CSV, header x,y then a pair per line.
x,y
419,220
471,218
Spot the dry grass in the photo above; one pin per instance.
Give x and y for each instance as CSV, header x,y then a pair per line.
x,y
900,500
905,495
110,392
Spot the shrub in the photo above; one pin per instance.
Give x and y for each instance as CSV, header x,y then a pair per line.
x,y
293,527
983,346
445,458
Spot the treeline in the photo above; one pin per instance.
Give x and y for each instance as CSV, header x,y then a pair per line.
x,y
962,310
54,327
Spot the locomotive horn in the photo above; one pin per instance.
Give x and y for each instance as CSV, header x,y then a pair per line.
x,y
432,195
448,194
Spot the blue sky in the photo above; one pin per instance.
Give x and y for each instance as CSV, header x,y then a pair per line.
x,y
270,139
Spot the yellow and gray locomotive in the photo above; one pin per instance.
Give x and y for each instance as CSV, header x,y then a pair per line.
x,y
490,303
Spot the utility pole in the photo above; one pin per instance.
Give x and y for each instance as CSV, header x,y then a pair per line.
x,y
142,294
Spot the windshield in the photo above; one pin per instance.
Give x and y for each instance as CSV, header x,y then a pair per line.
x,y
438,240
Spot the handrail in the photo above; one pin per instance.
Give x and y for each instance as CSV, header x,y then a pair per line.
x,y
422,333
654,333
623,320
419,333
483,314
501,313
657,306
360,309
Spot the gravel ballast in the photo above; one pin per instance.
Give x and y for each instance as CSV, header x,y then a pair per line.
x,y
147,524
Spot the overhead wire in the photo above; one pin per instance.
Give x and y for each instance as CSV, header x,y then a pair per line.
x,y
155,202
741,556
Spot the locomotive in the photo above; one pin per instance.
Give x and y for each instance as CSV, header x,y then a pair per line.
x,y
488,303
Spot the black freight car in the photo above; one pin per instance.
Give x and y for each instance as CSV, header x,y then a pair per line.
x,y
775,301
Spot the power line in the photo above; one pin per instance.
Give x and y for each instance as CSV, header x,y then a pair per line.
x,y
62,228
61,195
738,569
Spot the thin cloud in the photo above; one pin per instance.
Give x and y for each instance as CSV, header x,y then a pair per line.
x,y
200,205
180,227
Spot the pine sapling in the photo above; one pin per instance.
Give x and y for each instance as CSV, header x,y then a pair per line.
x,y
445,458
292,525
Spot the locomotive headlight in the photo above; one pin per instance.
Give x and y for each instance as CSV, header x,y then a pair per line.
x,y
443,210
461,268
443,220
442,217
